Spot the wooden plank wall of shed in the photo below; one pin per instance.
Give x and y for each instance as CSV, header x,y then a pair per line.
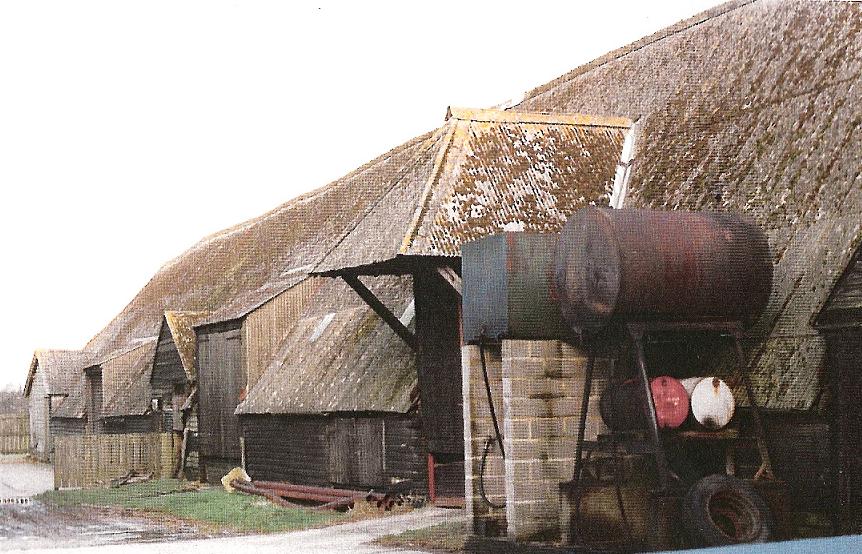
x,y
150,423
265,328
93,399
38,406
61,426
370,450
844,366
221,383
168,369
439,363
439,369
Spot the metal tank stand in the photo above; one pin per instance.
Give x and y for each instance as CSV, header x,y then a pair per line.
x,y
636,333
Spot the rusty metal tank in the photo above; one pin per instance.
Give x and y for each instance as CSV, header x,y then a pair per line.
x,y
630,264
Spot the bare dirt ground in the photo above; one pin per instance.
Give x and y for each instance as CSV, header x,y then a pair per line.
x,y
348,538
36,526
27,524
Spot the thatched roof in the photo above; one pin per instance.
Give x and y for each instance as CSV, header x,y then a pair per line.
x,y
486,171
340,357
751,107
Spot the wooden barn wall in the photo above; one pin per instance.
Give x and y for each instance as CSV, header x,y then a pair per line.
x,y
221,386
799,448
38,407
67,426
844,366
284,448
167,366
265,328
372,450
439,363
93,398
131,424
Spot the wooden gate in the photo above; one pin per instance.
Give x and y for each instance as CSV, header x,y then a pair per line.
x,y
91,460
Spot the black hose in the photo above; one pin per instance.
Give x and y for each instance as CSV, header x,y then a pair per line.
x,y
484,496
490,399
490,440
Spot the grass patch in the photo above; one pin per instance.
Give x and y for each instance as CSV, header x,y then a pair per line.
x,y
214,506
443,537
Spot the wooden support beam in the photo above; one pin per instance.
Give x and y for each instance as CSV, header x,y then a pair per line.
x,y
381,310
451,276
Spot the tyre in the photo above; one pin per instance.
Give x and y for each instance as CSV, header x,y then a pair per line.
x,y
721,510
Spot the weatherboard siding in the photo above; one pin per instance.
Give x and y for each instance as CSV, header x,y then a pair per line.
x,y
39,414
167,366
361,451
221,386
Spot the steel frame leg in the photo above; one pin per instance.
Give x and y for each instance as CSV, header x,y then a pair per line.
x,y
636,332
579,446
765,470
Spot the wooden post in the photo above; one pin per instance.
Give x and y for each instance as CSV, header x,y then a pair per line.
x,y
381,310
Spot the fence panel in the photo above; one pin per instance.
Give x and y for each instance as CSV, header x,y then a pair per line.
x,y
14,433
92,460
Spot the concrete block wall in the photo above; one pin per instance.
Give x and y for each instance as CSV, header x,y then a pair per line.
x,y
537,388
478,429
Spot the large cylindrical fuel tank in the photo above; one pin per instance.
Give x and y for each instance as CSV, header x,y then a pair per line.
x,y
632,264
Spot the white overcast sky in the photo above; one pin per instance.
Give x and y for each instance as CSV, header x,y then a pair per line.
x,y
130,130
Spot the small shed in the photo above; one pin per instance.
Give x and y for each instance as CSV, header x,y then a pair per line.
x,y
483,172
174,373
234,346
53,375
338,403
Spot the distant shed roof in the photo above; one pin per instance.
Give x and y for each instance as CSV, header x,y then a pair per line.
x,y
126,380
62,369
486,171
73,405
767,124
340,357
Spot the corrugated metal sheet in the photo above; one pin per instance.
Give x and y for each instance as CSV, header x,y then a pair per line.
x,y
181,325
486,171
126,380
768,125
516,171
340,357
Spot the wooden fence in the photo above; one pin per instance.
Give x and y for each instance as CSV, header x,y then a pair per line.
x,y
14,433
92,460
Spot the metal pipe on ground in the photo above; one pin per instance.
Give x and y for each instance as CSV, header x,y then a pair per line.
x,y
327,491
268,494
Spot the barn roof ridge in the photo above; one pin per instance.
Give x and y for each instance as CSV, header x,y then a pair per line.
x,y
617,53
